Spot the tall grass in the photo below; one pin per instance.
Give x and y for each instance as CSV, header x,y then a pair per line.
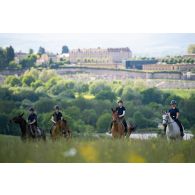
x,y
12,149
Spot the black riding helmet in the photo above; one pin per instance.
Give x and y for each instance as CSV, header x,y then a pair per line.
x,y
56,107
31,109
173,102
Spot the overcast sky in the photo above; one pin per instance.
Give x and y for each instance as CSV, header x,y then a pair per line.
x,y
140,44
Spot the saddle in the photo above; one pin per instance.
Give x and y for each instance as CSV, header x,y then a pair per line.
x,y
35,131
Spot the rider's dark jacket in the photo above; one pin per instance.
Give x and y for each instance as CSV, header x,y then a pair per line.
x,y
173,112
57,116
120,110
32,117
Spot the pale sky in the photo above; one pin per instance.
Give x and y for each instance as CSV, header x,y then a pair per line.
x,y
140,44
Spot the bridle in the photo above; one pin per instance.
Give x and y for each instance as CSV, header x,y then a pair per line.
x,y
167,121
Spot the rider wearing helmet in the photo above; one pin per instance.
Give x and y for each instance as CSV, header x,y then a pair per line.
x,y
174,113
32,118
57,115
121,114
32,121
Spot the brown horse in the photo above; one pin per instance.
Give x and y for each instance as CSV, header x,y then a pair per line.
x,y
26,129
118,129
60,129
131,128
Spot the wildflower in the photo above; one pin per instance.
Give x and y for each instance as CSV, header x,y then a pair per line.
x,y
135,158
89,153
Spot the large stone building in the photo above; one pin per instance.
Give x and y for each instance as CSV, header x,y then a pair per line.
x,y
169,67
99,55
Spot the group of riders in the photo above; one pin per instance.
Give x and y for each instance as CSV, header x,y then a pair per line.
x,y
32,119
120,109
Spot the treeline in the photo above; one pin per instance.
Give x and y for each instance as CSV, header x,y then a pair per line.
x,y
29,60
6,56
177,60
86,106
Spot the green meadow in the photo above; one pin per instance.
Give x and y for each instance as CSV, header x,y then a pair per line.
x,y
96,150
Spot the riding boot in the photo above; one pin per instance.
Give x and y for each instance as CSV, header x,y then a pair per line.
x,y
165,127
110,129
180,126
125,125
51,129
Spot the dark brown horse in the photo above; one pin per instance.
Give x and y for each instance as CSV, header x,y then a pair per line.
x,y
118,129
60,129
26,129
131,128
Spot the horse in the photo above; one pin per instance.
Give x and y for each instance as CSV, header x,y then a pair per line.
x,y
131,128
26,130
118,129
172,130
60,129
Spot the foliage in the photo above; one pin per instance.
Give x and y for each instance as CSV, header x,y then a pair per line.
x,y
65,49
41,50
103,122
191,49
44,89
6,56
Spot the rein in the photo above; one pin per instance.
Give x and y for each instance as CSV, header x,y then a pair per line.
x,y
166,120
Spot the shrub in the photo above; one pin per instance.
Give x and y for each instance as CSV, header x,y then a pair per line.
x,y
103,122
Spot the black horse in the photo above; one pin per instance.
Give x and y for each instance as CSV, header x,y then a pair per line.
x,y
26,130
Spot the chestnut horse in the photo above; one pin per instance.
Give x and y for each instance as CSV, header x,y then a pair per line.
x,y
118,129
26,130
60,129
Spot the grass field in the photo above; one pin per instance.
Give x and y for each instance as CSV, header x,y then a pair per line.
x,y
12,149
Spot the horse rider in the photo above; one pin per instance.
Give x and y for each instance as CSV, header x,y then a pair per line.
x,y
32,121
121,114
174,113
57,116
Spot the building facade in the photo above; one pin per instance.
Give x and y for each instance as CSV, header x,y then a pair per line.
x,y
169,67
99,55
47,58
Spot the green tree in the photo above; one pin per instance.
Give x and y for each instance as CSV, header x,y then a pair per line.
x,y
2,57
103,122
31,51
191,49
96,87
41,51
65,49
89,116
29,61
13,81
9,54
106,95
4,124
44,105
27,80
152,95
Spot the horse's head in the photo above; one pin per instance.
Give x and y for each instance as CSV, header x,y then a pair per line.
x,y
18,119
114,115
165,118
